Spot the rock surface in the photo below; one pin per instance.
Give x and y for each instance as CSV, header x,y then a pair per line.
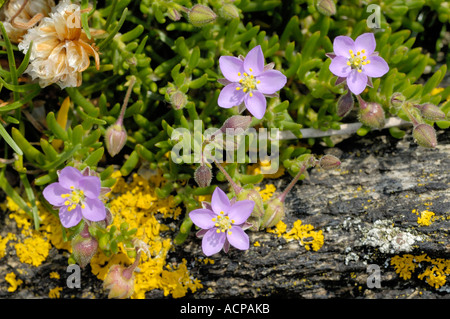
x,y
367,211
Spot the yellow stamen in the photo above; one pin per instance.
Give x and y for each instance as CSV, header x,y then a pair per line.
x,y
358,53
251,76
229,233
218,231
251,94
239,73
245,90
359,71
245,74
364,57
368,61
213,219
348,63
257,82
240,81
251,70
363,51
238,88
83,206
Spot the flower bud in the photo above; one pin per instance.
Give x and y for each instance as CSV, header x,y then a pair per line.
x,y
237,122
203,176
229,11
273,214
201,15
173,14
115,139
119,281
178,100
425,135
431,112
345,104
84,247
397,99
372,115
329,162
258,210
326,7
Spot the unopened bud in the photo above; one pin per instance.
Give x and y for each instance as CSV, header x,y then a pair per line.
x,y
173,14
397,99
203,176
201,15
84,247
329,162
115,139
273,214
326,7
236,122
345,104
229,11
425,135
372,115
431,112
119,281
258,210
178,100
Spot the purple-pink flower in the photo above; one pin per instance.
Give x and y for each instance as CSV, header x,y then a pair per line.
x,y
222,223
76,196
356,61
248,81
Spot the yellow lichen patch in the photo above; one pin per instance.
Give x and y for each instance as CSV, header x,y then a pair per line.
x,y
55,293
137,204
435,273
267,192
425,218
255,169
304,233
4,242
54,275
33,250
11,279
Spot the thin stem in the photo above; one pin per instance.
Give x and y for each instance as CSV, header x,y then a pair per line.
x,y
237,189
408,113
128,272
125,101
282,196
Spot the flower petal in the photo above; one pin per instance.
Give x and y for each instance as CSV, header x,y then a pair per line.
x,y
230,97
220,201
238,238
230,67
203,218
342,44
271,81
52,193
376,68
365,42
254,61
70,218
357,82
94,210
90,185
339,67
213,242
256,104
69,177
241,211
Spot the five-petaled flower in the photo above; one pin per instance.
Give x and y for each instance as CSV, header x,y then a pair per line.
x,y
76,196
222,223
248,81
356,61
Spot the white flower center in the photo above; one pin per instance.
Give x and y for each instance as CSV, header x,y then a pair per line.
x,y
247,82
74,198
357,60
223,223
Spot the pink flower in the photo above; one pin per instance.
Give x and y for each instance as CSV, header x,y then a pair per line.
x,y
249,81
356,61
222,223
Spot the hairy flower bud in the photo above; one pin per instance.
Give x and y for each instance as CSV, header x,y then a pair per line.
x,y
329,162
372,115
203,176
345,104
258,210
178,100
397,99
201,15
425,135
115,139
173,14
229,11
431,112
84,247
236,122
274,212
326,7
119,281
